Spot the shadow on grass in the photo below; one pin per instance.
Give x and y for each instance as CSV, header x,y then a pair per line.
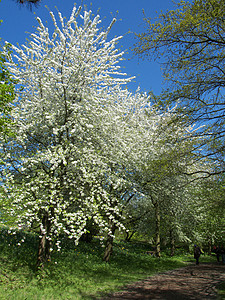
x,y
221,291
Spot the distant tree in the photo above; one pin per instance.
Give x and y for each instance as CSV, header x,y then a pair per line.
x,y
211,200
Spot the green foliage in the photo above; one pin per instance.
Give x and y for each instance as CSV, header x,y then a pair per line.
x,y
210,210
190,40
7,93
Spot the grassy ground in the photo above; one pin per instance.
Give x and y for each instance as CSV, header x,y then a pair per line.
x,y
75,272
221,291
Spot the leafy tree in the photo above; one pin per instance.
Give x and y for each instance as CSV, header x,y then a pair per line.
x,y
162,159
211,227
153,157
6,89
190,43
7,94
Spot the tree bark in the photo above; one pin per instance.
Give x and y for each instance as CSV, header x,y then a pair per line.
x,y
172,243
109,245
209,245
44,245
157,230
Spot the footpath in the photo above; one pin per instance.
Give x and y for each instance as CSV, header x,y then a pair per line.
x,y
191,282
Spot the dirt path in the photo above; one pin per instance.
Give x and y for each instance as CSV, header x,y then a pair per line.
x,y
191,282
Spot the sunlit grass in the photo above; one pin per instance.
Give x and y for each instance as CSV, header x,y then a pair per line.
x,y
75,272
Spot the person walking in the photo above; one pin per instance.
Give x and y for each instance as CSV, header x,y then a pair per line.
x,y
197,253
217,251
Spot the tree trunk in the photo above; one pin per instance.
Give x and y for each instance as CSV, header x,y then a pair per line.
x,y
44,245
157,230
209,245
109,245
172,243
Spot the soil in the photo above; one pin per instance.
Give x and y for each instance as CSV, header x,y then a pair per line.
x,y
197,282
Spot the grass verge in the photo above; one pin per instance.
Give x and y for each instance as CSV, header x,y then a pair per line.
x,y
75,272
221,291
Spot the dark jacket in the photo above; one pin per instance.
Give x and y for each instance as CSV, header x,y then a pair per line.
x,y
197,252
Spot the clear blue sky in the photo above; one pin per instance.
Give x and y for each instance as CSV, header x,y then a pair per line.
x,y
18,22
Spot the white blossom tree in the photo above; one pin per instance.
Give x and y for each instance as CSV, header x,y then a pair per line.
x,y
60,161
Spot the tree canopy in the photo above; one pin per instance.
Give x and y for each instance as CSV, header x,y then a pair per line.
x,y
189,42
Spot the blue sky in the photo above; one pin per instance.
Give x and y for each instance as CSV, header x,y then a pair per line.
x,y
18,22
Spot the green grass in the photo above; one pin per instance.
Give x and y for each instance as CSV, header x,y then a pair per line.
x,y
221,291
75,272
